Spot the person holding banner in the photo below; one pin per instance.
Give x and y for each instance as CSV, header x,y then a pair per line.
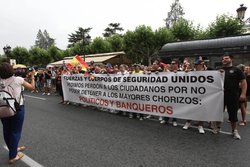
x,y
137,70
174,67
122,71
199,66
233,77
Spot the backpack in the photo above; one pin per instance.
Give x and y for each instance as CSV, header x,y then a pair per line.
x,y
8,103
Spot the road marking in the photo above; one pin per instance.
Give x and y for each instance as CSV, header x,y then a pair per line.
x,y
40,98
27,160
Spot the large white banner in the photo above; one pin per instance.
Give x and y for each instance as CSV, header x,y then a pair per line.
x,y
194,95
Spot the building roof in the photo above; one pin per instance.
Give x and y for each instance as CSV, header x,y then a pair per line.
x,y
210,46
97,58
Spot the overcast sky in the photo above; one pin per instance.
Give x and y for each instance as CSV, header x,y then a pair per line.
x,y
21,19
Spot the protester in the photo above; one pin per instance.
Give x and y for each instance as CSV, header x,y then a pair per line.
x,y
247,72
136,70
174,67
59,84
242,104
12,126
233,77
47,82
199,66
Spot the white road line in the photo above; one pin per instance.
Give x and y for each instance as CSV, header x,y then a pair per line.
x,y
40,98
27,160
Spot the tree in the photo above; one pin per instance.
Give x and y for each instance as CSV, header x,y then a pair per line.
x,y
39,57
112,29
176,12
162,36
80,36
100,45
225,26
21,55
143,44
116,42
67,53
54,53
43,40
133,41
183,30
49,41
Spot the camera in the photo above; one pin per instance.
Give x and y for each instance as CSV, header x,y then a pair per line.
x,y
30,69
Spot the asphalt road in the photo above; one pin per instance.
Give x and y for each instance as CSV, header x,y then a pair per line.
x,y
59,135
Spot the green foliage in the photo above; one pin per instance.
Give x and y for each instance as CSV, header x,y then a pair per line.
x,y
39,57
67,53
43,40
225,26
100,45
137,43
176,13
80,36
183,30
116,42
55,54
162,36
112,29
21,55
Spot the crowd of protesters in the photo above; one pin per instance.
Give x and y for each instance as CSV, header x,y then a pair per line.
x,y
49,81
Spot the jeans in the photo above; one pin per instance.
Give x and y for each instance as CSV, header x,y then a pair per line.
x,y
12,129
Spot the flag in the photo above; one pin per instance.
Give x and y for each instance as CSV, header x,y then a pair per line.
x,y
69,66
77,60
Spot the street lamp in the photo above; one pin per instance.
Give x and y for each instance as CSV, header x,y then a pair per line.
x,y
241,12
7,50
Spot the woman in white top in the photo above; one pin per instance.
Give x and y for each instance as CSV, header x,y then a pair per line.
x,y
12,126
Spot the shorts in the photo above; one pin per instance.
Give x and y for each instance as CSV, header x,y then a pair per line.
x,y
231,102
47,83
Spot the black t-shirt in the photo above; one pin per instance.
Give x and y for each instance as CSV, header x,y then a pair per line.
x,y
233,76
48,75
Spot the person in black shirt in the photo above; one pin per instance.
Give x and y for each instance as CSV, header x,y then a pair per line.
x,y
233,77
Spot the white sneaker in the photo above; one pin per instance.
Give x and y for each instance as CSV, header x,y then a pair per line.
x,y
175,123
201,130
43,93
141,119
149,116
236,135
130,116
186,126
162,122
48,94
160,118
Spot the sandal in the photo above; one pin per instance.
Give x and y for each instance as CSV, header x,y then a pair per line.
x,y
243,123
21,148
18,157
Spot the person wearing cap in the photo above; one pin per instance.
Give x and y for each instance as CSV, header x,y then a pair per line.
x,y
199,66
174,67
233,77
